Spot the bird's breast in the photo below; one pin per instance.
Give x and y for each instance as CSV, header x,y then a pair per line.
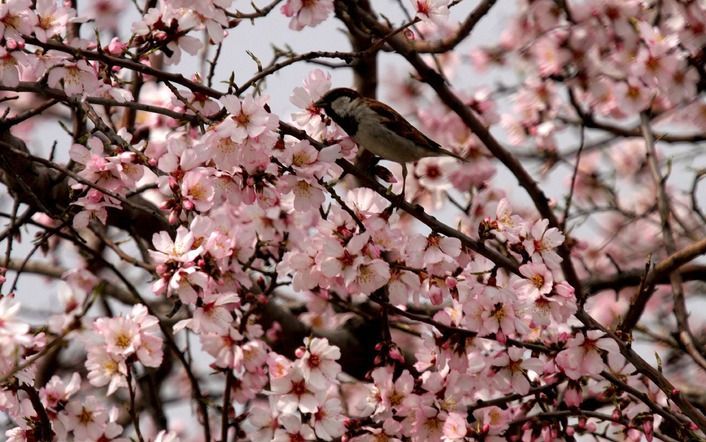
x,y
381,141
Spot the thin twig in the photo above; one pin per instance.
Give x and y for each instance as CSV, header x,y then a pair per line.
x,y
680,312
570,197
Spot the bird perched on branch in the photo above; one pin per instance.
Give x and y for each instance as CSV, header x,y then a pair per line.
x,y
378,128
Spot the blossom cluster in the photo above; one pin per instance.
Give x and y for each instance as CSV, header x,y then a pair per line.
x,y
120,342
303,402
117,174
258,239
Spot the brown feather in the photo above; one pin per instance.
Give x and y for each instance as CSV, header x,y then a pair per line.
x,y
391,119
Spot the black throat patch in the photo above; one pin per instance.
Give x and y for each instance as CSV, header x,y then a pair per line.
x,y
348,123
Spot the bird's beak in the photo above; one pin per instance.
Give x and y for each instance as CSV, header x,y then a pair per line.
x,y
320,103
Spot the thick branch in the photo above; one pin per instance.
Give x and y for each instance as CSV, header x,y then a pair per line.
x,y
47,189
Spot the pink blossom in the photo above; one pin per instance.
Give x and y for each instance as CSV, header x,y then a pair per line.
x,y
509,227
178,250
52,19
87,418
107,13
316,84
261,423
302,264
192,104
197,190
10,66
543,243
225,348
294,430
455,427
582,355
550,58
254,354
632,96
307,195
494,311
17,18
537,281
510,370
19,434
74,78
336,260
13,332
294,393
391,396
560,305
248,117
328,420
402,284
434,173
307,12
187,283
55,394
307,161
105,368
121,334
97,168
190,44
180,155
318,364
149,353
428,423
370,276
436,11
225,152
493,420
213,315
95,204
432,249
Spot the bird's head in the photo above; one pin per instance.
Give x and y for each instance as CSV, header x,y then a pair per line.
x,y
337,101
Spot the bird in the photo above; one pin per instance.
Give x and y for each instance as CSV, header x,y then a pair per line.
x,y
378,128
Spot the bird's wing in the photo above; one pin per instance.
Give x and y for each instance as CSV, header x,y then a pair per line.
x,y
395,122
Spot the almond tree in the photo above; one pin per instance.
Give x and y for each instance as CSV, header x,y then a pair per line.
x,y
217,269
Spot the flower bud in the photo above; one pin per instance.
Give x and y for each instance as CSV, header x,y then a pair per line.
x,y
299,352
116,47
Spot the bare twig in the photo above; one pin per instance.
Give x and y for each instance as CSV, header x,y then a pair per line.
x,y
685,334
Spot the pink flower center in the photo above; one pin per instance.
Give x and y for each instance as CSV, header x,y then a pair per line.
x,y
314,360
347,259
433,241
633,92
299,388
228,341
538,281
498,311
242,119
396,398
433,171
652,64
122,340
86,417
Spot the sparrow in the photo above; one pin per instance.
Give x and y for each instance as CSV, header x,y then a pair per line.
x,y
378,128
